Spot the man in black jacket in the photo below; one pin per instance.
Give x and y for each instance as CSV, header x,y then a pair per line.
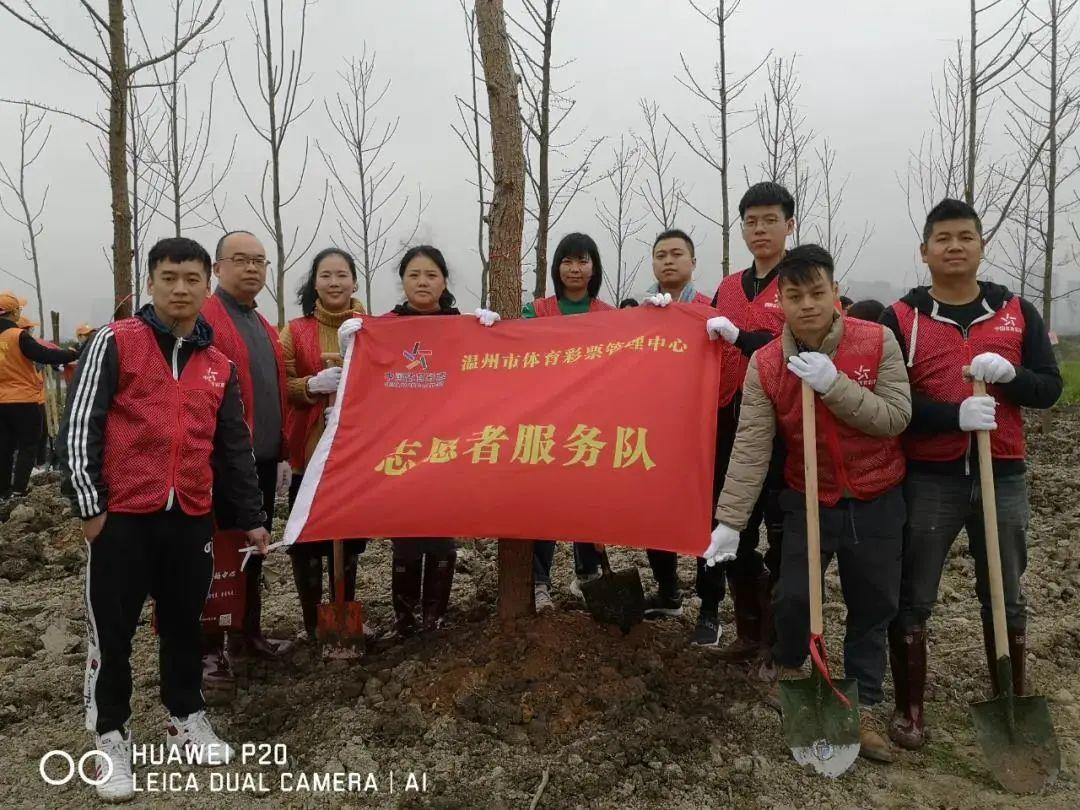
x,y
154,411
954,323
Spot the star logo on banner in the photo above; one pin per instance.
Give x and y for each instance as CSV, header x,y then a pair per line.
x,y
417,357
862,374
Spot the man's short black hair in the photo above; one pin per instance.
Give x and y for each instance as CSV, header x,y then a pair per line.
x,y
845,302
800,265
866,310
177,249
627,303
221,241
674,233
767,193
950,209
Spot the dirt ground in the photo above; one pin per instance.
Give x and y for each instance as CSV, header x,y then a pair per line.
x,y
602,720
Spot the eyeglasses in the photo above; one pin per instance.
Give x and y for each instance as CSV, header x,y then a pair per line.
x,y
257,262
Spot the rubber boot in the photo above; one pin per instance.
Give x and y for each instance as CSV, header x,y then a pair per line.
x,y
405,591
438,581
1017,658
251,642
907,656
766,667
746,593
307,574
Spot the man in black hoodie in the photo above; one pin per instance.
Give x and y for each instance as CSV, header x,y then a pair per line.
x,y
154,411
959,321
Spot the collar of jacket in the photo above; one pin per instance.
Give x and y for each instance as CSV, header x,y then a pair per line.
x,y
230,301
7,323
336,319
996,295
828,346
405,309
201,336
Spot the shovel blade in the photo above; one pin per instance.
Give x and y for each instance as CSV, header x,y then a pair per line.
x,y
616,598
820,730
340,629
1023,754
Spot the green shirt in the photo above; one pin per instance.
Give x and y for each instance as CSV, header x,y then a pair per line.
x,y
566,307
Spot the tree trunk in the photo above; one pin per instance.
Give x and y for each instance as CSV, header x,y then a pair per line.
x,y
973,100
504,248
174,125
275,167
118,174
136,204
543,202
1051,172
725,204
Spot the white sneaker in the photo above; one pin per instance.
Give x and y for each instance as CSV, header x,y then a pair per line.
x,y
542,599
114,769
196,740
575,586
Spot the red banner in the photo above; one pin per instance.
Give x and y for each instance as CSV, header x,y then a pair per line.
x,y
597,427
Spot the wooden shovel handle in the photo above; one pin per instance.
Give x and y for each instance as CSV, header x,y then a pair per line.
x,y
813,517
990,530
339,574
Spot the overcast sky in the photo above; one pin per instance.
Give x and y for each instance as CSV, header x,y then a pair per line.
x,y
865,69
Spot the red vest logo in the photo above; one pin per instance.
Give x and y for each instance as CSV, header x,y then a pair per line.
x,y
211,377
862,376
1008,324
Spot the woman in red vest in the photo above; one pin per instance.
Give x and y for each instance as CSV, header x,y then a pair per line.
x,y
326,301
576,276
423,571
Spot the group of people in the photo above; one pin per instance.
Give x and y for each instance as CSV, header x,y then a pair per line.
x,y
195,414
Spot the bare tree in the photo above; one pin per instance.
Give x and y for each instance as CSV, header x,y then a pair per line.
x,y
719,98
469,133
280,79
371,203
830,231
662,193
26,214
1018,254
180,163
504,249
114,75
546,109
619,219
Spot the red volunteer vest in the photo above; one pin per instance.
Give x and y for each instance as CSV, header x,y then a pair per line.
x,y
228,341
549,307
849,461
937,353
763,313
159,433
301,418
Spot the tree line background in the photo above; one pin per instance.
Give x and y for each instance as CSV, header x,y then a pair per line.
x,y
298,121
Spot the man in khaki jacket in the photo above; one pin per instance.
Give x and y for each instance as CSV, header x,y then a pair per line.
x,y
863,404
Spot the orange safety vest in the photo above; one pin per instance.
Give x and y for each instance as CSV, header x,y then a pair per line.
x,y
20,381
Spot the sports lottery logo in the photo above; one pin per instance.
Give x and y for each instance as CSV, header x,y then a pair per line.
x,y
418,358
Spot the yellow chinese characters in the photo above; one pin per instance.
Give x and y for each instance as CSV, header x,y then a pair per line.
x,y
571,354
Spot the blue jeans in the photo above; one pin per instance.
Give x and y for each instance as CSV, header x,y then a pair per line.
x,y
586,560
939,506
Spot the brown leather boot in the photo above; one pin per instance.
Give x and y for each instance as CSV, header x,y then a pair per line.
x,y
438,581
405,592
746,593
907,657
873,744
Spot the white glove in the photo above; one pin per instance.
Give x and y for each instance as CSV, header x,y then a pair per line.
x,y
815,368
284,478
722,546
659,300
992,368
722,327
977,413
487,317
325,382
346,332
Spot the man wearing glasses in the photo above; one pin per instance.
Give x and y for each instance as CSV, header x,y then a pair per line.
x,y
252,344
750,317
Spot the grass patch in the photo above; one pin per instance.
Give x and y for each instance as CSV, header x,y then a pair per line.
x,y
1070,372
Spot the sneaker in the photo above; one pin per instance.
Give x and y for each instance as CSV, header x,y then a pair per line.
x,y
542,599
114,769
196,740
661,605
873,744
707,632
575,586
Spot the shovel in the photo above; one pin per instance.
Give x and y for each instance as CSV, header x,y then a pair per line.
x,y
340,627
615,597
821,715
1016,733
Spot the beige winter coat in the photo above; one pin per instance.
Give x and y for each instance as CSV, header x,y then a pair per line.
x,y
885,411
